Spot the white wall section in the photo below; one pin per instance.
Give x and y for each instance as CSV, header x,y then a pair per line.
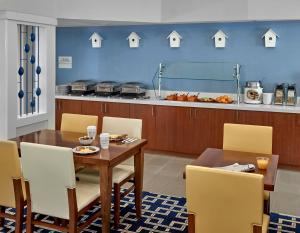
x,y
116,12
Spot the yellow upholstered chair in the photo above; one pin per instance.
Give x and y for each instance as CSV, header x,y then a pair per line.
x,y
224,201
11,182
52,190
77,123
124,172
249,138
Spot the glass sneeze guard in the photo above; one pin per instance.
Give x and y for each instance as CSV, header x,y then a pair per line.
x,y
214,71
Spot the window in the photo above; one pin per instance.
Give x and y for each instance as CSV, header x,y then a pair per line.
x,y
29,70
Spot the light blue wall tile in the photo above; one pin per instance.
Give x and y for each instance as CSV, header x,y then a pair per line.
x,y
116,61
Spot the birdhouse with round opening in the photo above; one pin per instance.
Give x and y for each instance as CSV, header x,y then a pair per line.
x,y
220,39
133,40
270,38
96,40
174,39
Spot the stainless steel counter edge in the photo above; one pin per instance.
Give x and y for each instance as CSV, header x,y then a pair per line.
x,y
242,106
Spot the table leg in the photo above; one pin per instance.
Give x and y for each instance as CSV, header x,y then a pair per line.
x,y
139,174
105,191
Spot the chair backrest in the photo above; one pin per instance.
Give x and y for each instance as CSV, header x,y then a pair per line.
x,y
116,125
77,122
49,171
10,168
248,138
224,201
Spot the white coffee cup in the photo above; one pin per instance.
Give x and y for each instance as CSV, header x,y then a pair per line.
x,y
104,140
91,131
267,98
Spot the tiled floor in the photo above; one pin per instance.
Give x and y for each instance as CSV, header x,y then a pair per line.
x,y
163,174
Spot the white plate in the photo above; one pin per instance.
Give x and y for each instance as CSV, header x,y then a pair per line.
x,y
93,149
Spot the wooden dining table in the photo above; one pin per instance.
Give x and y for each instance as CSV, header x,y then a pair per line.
x,y
104,160
218,158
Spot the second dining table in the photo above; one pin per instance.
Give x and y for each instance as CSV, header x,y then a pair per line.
x,y
213,157
104,160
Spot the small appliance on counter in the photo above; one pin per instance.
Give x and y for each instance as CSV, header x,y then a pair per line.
x,y
253,92
279,94
133,90
83,87
291,95
108,88
63,89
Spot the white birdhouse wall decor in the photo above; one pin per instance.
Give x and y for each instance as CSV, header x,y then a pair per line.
x,y
174,39
96,40
220,39
270,38
134,40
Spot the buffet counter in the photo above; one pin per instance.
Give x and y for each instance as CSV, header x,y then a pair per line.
x,y
153,101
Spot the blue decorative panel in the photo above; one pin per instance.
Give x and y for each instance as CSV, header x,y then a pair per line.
x,y
32,59
27,48
116,61
29,69
21,71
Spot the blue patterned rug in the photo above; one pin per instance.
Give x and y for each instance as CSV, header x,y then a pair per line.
x,y
161,213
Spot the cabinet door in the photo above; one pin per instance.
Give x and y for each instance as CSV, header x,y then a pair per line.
x,y
58,114
165,121
284,140
188,131
213,121
147,114
296,147
253,118
116,110
94,108
66,106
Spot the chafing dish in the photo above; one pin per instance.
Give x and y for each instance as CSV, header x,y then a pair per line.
x,y
83,87
108,88
63,89
133,89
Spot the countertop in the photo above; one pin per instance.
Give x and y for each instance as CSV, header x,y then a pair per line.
x,y
152,101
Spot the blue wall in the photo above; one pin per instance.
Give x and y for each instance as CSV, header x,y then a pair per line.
x,y
116,61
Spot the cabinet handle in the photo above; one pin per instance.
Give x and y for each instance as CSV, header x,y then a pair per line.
x,y
101,108
105,108
190,113
152,110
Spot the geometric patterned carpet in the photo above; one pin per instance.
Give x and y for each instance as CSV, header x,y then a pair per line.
x,y
161,213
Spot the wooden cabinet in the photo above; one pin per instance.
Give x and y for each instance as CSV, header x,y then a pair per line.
x,y
65,106
116,109
93,108
284,140
296,141
147,114
189,130
285,136
166,128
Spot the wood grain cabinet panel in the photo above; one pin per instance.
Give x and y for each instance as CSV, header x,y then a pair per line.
x,y
147,114
253,118
297,140
189,130
66,106
284,140
116,109
93,108
166,128
215,128
186,131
